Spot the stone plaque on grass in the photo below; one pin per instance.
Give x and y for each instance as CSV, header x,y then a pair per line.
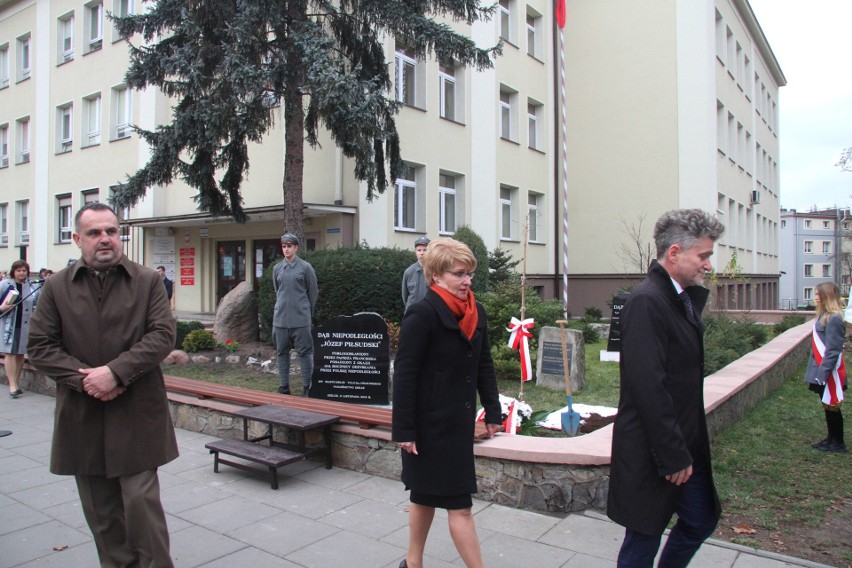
x,y
549,367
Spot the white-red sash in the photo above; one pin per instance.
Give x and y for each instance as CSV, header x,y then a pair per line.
x,y
519,334
833,394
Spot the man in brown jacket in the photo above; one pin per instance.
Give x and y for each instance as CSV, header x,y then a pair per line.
x,y
102,327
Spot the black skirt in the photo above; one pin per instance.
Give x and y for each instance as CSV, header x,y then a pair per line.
x,y
442,501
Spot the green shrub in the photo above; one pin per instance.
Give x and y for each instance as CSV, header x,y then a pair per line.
x,y
503,302
199,340
788,321
477,246
727,339
501,267
590,334
350,280
183,329
593,314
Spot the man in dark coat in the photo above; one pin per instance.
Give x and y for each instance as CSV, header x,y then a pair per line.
x,y
102,328
660,445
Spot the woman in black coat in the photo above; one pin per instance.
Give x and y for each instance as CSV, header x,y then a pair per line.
x,y
442,362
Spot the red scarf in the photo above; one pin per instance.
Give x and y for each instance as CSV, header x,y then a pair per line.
x,y
464,310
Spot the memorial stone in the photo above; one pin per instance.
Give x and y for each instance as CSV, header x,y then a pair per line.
x,y
613,344
549,368
352,359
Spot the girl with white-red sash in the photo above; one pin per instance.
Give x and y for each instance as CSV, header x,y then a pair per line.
x,y
826,372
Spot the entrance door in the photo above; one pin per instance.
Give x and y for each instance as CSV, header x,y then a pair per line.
x,y
264,253
231,267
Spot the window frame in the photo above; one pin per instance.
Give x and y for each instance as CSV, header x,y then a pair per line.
x,y
808,270
22,137
64,118
120,130
4,65
4,225
808,247
4,145
447,192
826,271
535,201
22,217
123,213
826,247
448,79
119,11
64,218
24,57
65,33
508,212
94,26
93,102
405,193
508,117
507,21
535,121
404,60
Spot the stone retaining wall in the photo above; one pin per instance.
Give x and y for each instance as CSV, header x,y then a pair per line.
x,y
542,474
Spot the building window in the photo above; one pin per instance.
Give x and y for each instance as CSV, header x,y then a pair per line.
x,y
446,203
507,20
94,25
64,128
121,113
447,82
535,119
808,294
534,216
22,155
826,271
783,224
23,218
120,9
405,200
720,38
508,113
4,224
24,57
534,35
65,38
809,271
826,224
90,196
406,75
123,213
64,219
92,120
826,247
4,146
4,65
809,224
809,247
508,201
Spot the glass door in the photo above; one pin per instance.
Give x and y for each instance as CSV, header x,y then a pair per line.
x,y
230,267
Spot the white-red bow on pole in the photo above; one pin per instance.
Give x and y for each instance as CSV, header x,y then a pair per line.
x,y
520,332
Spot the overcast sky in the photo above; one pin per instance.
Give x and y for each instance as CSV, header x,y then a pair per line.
x,y
812,45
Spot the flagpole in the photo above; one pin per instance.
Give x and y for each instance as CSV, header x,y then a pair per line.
x,y
560,22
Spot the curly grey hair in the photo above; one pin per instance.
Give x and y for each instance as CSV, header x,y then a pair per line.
x,y
685,227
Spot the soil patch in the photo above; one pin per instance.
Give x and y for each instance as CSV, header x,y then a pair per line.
x,y
595,422
826,543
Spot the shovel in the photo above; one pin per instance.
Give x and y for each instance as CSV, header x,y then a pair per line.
x,y
570,419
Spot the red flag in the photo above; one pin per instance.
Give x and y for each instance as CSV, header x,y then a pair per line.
x,y
561,13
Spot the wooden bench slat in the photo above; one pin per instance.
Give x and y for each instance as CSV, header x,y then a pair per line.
x,y
272,456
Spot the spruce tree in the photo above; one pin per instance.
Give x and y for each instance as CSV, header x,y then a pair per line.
x,y
228,63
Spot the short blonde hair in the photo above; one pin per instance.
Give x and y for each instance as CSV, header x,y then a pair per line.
x,y
443,253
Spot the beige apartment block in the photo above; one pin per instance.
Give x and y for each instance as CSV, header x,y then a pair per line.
x,y
668,104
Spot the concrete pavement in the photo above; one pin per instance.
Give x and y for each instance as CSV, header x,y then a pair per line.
x,y
318,518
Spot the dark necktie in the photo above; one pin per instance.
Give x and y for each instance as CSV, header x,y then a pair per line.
x,y
690,310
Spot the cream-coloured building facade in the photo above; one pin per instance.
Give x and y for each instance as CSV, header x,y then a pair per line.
x,y
669,104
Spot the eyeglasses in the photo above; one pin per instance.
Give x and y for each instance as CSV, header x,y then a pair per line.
x,y
461,274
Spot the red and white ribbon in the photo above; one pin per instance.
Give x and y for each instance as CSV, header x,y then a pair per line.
x,y
511,424
519,339
833,393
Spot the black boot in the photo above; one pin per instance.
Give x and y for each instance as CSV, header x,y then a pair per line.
x,y
835,443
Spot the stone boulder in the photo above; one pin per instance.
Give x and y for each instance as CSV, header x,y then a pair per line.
x,y
236,316
176,357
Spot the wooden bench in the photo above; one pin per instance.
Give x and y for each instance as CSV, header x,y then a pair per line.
x,y
364,416
271,456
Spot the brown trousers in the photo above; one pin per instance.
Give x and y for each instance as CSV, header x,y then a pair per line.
x,y
126,519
